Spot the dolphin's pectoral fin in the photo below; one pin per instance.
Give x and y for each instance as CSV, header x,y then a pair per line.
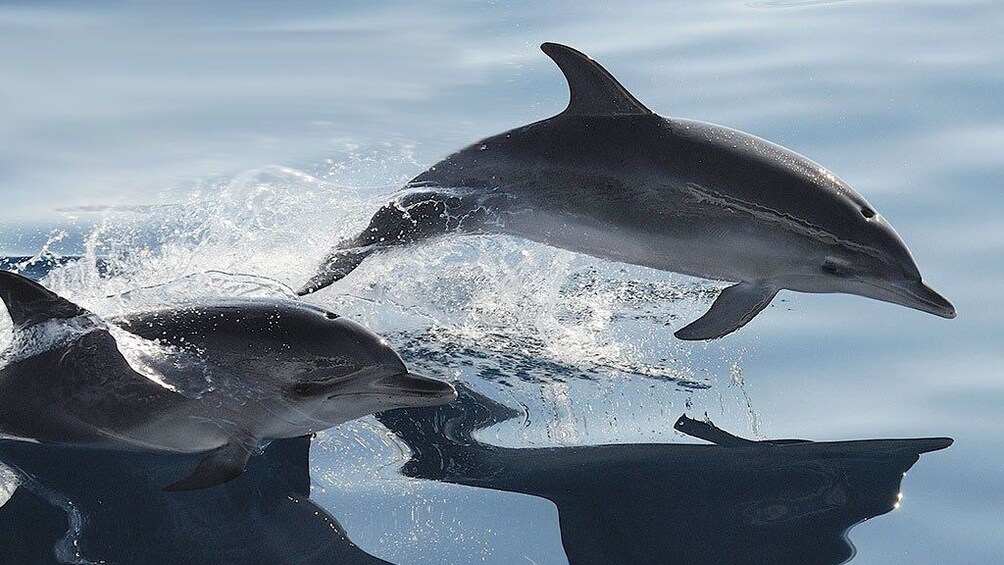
x,y
29,303
733,309
593,91
223,464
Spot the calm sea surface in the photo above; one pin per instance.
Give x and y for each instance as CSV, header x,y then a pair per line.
x,y
158,142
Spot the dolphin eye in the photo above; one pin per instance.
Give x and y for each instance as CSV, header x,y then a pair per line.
x,y
867,212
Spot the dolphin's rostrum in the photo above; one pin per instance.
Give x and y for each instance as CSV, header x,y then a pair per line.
x,y
269,369
610,178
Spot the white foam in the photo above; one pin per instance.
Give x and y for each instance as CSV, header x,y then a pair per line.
x,y
519,311
174,368
8,483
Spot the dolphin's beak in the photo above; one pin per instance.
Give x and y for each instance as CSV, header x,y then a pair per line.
x,y
919,296
417,389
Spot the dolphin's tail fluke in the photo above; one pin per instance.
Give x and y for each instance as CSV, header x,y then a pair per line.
x,y
339,263
414,217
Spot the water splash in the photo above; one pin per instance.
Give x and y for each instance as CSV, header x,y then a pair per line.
x,y
171,367
177,369
495,308
8,483
582,348
45,336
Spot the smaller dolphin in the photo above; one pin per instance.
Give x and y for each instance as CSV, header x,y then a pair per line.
x,y
610,178
268,369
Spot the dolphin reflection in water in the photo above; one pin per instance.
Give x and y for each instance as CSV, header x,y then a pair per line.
x,y
736,501
83,505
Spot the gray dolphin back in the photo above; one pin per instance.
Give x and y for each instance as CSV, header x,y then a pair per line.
x,y
71,390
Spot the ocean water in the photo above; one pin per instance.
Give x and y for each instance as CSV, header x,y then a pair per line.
x,y
233,140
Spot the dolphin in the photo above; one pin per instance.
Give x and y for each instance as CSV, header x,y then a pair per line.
x,y
610,178
222,378
734,500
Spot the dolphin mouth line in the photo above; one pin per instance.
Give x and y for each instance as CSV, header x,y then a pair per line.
x,y
769,215
407,393
922,298
402,398
437,389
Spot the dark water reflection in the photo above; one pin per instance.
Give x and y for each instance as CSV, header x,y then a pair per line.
x,y
735,501
91,506
738,501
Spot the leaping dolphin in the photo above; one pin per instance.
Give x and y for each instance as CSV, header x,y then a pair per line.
x,y
610,178
232,376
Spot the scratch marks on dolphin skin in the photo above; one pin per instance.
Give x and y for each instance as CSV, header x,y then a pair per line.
x,y
769,215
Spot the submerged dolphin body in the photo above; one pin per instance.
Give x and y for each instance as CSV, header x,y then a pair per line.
x,y
234,375
84,505
610,178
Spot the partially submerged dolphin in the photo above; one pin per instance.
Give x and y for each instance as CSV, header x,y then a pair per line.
x,y
233,375
610,178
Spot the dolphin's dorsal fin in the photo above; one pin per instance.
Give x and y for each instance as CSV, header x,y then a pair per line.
x,y
593,90
29,303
